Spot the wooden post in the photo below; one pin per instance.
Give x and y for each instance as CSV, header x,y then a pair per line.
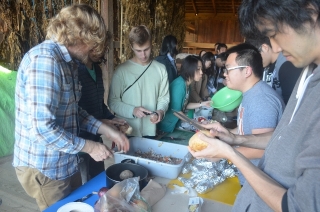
x,y
107,69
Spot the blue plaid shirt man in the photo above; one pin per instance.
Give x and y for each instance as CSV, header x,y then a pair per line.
x,y
48,118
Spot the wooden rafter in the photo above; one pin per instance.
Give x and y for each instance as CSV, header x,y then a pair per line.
x,y
194,7
214,7
233,8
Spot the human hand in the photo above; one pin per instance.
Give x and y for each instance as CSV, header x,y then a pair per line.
x,y
115,135
119,138
97,151
215,150
140,112
206,103
217,130
156,117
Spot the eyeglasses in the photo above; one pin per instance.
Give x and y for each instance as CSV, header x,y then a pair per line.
x,y
226,70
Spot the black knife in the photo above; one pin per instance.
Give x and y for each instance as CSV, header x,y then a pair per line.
x,y
82,199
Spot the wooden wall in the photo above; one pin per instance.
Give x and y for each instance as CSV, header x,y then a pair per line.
x,y
203,33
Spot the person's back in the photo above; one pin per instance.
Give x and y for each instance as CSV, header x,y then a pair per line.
x,y
167,56
140,86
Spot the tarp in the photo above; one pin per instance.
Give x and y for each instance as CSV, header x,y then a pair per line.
x,y
7,110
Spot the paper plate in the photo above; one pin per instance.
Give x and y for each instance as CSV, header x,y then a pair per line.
x,y
76,206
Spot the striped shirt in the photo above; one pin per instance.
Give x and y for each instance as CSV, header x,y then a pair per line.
x,y
48,119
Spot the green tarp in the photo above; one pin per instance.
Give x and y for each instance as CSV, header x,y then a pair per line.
x,y
7,87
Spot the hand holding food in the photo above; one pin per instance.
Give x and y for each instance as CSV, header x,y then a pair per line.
x,y
196,144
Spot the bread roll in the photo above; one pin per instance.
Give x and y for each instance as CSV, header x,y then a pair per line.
x,y
196,144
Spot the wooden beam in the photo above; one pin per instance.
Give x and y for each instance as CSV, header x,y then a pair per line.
x,y
107,69
233,8
194,7
214,7
211,16
202,45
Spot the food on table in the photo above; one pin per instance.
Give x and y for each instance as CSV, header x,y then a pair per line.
x,y
201,119
151,155
126,174
196,144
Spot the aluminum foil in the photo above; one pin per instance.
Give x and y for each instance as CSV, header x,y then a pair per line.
x,y
186,168
205,175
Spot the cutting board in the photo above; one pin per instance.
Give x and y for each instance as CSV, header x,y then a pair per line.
x,y
226,192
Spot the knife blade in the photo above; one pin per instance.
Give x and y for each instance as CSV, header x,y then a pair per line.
x,y
185,118
82,199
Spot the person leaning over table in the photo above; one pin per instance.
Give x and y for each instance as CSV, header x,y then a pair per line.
x,y
48,119
287,178
261,107
191,70
140,86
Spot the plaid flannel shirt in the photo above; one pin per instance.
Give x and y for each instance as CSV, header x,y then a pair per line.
x,y
48,118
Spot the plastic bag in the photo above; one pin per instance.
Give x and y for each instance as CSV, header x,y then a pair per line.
x,y
123,197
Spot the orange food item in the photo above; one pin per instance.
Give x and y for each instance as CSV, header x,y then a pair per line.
x,y
196,144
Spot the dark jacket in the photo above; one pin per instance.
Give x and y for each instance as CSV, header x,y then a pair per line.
x,y
171,70
92,98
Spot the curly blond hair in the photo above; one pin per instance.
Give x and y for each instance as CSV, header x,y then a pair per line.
x,y
79,23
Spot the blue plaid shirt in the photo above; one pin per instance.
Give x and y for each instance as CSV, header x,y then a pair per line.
x,y
48,119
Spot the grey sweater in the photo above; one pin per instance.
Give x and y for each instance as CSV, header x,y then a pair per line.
x,y
292,157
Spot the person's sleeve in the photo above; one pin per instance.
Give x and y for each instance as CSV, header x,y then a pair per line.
x,y
170,71
114,100
177,95
194,95
304,194
45,90
265,114
88,122
164,96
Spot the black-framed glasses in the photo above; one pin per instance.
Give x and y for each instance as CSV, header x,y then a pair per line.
x,y
226,70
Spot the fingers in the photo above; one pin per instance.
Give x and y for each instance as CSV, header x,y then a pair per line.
x,y
140,112
100,152
122,142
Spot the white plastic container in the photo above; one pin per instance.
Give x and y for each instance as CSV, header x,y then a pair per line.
x,y
159,147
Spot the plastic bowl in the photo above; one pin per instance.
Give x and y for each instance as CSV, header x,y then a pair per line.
x,y
226,100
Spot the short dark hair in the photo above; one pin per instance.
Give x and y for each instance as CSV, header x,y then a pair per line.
x,y
189,67
258,40
253,13
169,45
248,55
222,45
223,56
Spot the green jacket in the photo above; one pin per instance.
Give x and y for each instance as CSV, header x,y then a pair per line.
x,y
178,98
